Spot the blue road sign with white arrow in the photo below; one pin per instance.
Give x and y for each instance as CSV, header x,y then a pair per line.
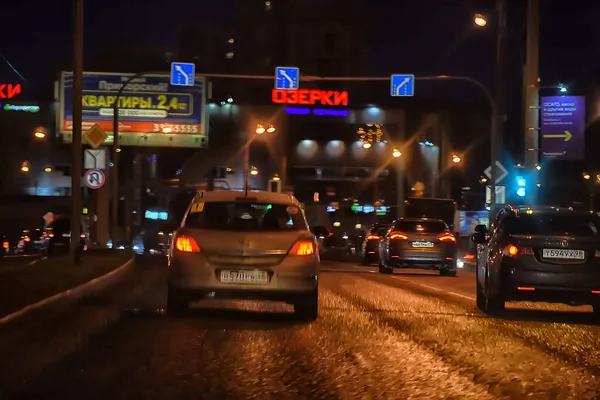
x,y
402,85
182,74
287,78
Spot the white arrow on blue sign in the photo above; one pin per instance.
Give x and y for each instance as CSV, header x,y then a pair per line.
x,y
182,74
287,78
402,85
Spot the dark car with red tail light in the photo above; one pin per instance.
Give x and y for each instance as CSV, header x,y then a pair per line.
x,y
418,243
244,245
546,254
370,246
4,245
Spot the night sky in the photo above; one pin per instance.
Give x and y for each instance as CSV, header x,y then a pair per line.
x,y
425,37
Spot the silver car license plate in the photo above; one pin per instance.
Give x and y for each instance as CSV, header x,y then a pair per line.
x,y
564,254
253,277
423,244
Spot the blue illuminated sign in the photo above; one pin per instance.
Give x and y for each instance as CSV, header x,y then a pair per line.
x,y
332,113
402,85
182,74
297,110
287,78
156,215
381,210
316,111
521,183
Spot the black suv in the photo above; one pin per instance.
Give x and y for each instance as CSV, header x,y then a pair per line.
x,y
423,243
547,254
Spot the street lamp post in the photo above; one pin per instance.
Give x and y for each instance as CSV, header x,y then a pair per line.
x,y
77,156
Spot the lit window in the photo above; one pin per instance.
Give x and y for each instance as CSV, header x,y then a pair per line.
x,y
231,41
267,5
229,55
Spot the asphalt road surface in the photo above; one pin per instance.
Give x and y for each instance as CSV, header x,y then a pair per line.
x,y
409,335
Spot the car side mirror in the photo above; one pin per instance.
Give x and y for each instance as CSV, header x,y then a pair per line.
x,y
478,237
481,229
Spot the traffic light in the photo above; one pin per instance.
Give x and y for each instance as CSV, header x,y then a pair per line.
x,y
521,186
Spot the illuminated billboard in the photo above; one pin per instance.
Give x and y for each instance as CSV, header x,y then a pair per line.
x,y
151,111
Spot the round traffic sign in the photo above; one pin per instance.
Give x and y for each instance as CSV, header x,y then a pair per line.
x,y
94,178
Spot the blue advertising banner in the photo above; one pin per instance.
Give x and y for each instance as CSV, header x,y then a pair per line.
x,y
151,111
563,127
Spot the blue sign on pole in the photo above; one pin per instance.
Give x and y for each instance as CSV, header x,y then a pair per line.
x,y
287,78
182,74
402,85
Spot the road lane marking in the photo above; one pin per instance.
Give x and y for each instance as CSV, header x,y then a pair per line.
x,y
436,289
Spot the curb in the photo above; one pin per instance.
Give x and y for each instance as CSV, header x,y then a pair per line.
x,y
71,295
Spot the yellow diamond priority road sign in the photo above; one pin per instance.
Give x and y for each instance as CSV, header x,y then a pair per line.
x,y
95,136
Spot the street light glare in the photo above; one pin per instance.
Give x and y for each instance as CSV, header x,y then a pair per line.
x,y
366,145
275,178
563,89
260,129
39,134
396,153
586,176
47,169
480,20
456,159
254,171
270,129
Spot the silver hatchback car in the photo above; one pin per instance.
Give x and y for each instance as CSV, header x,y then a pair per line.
x,y
244,245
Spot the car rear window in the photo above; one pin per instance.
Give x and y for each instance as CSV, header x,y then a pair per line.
x,y
245,216
420,226
555,225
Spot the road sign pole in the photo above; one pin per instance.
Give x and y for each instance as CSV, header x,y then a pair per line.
x,y
77,156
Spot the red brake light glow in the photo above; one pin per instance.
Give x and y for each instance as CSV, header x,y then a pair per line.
x,y
186,244
447,237
511,250
372,237
398,236
302,248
